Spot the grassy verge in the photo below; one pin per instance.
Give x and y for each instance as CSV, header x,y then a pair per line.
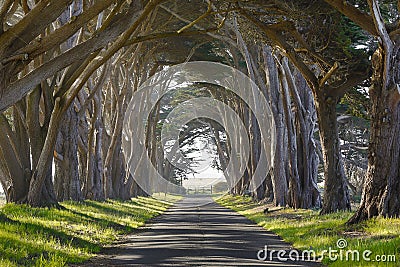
x,y
166,197
52,237
307,229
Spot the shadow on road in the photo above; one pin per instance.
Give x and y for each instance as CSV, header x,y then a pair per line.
x,y
196,231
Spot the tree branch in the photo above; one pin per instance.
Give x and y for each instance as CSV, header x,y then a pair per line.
x,y
385,38
196,20
161,35
277,38
61,34
360,18
18,89
354,79
329,74
216,36
30,26
3,11
118,44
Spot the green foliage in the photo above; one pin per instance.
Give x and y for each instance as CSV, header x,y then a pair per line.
x,y
356,103
306,228
55,237
350,36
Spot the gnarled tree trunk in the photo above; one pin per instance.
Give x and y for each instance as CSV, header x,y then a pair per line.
x,y
15,173
381,195
66,180
93,186
307,156
279,174
308,195
336,193
292,168
41,189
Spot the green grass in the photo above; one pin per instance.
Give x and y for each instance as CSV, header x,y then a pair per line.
x,y
167,197
306,228
56,237
2,200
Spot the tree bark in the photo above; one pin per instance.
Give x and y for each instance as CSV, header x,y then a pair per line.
x,y
18,89
294,179
113,179
336,197
279,175
336,194
308,195
308,159
381,189
93,187
16,182
66,180
40,189
38,125
381,194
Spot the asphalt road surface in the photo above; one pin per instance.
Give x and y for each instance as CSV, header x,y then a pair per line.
x,y
196,231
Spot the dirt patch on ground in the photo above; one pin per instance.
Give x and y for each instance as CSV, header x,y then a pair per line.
x,y
289,216
272,211
355,234
261,208
364,235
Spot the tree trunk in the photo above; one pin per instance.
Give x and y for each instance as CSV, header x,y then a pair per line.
x,y
294,180
118,175
278,176
307,156
269,190
16,182
41,192
336,193
37,135
381,195
117,178
306,167
66,180
93,187
83,150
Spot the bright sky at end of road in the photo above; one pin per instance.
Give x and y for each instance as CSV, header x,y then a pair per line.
x,y
207,173
209,176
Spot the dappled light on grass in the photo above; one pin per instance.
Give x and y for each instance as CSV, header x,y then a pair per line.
x,y
54,237
307,229
166,198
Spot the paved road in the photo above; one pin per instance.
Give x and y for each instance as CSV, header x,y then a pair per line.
x,y
196,232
